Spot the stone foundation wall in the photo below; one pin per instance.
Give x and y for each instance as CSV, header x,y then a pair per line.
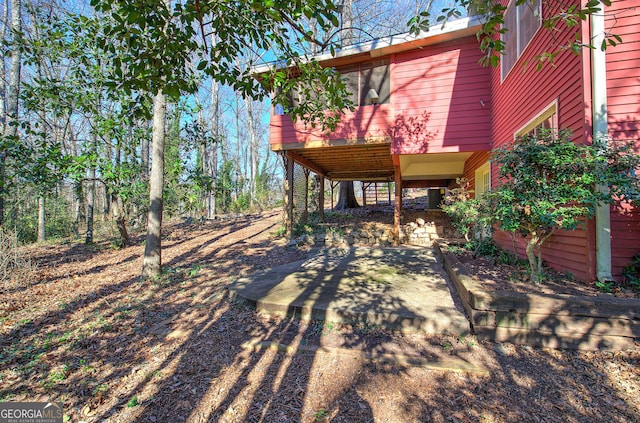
x,y
422,228
422,232
342,237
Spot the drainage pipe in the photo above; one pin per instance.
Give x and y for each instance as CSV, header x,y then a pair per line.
x,y
600,133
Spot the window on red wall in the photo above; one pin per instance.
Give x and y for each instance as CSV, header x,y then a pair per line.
x,y
521,21
547,119
363,78
367,84
375,76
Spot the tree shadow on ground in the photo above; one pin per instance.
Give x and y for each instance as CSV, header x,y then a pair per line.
x,y
266,385
180,349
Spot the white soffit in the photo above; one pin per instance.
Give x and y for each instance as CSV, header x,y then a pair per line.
x,y
433,166
396,43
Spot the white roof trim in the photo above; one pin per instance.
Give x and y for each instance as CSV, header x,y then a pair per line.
x,y
384,43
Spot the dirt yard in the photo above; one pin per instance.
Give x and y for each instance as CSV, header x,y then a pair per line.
x,y
89,332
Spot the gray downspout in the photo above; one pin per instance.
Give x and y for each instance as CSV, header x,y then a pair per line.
x,y
600,133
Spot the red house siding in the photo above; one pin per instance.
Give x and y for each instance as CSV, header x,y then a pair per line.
x,y
623,108
366,121
474,162
442,101
435,105
441,98
523,94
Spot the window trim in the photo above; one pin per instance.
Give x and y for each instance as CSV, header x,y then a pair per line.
x,y
479,173
512,4
365,66
545,113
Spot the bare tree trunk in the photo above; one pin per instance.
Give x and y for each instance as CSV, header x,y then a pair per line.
x,y
91,202
116,207
347,22
144,158
210,155
3,95
346,196
11,119
109,156
534,254
253,147
119,216
533,262
41,219
77,190
77,208
152,264
238,161
209,151
138,216
209,163
210,158
91,193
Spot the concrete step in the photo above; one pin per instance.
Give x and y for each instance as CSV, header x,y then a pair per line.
x,y
404,289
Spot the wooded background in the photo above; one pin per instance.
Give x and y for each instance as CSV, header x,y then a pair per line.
x,y
76,144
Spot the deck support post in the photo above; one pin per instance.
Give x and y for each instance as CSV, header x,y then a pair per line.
x,y
305,214
364,194
288,197
397,208
333,185
321,198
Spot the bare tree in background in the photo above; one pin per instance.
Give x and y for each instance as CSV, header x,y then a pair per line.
x,y
210,149
152,264
346,195
10,116
4,30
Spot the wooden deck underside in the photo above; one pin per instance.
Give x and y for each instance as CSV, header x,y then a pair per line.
x,y
355,162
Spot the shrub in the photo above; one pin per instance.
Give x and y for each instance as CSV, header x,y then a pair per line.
x,y
548,182
14,269
468,214
631,273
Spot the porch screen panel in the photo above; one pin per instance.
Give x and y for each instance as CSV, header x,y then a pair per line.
x,y
529,16
350,76
375,75
510,39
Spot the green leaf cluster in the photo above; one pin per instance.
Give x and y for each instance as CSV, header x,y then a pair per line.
x,y
547,182
468,214
491,14
153,48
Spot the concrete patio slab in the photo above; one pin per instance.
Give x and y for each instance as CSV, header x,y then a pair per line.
x,y
400,288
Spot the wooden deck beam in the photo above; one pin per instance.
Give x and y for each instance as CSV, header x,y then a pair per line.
x,y
330,143
430,183
306,163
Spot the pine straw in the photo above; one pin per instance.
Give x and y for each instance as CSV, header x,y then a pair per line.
x,y
90,333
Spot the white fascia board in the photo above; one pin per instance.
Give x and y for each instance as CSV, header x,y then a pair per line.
x,y
394,43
